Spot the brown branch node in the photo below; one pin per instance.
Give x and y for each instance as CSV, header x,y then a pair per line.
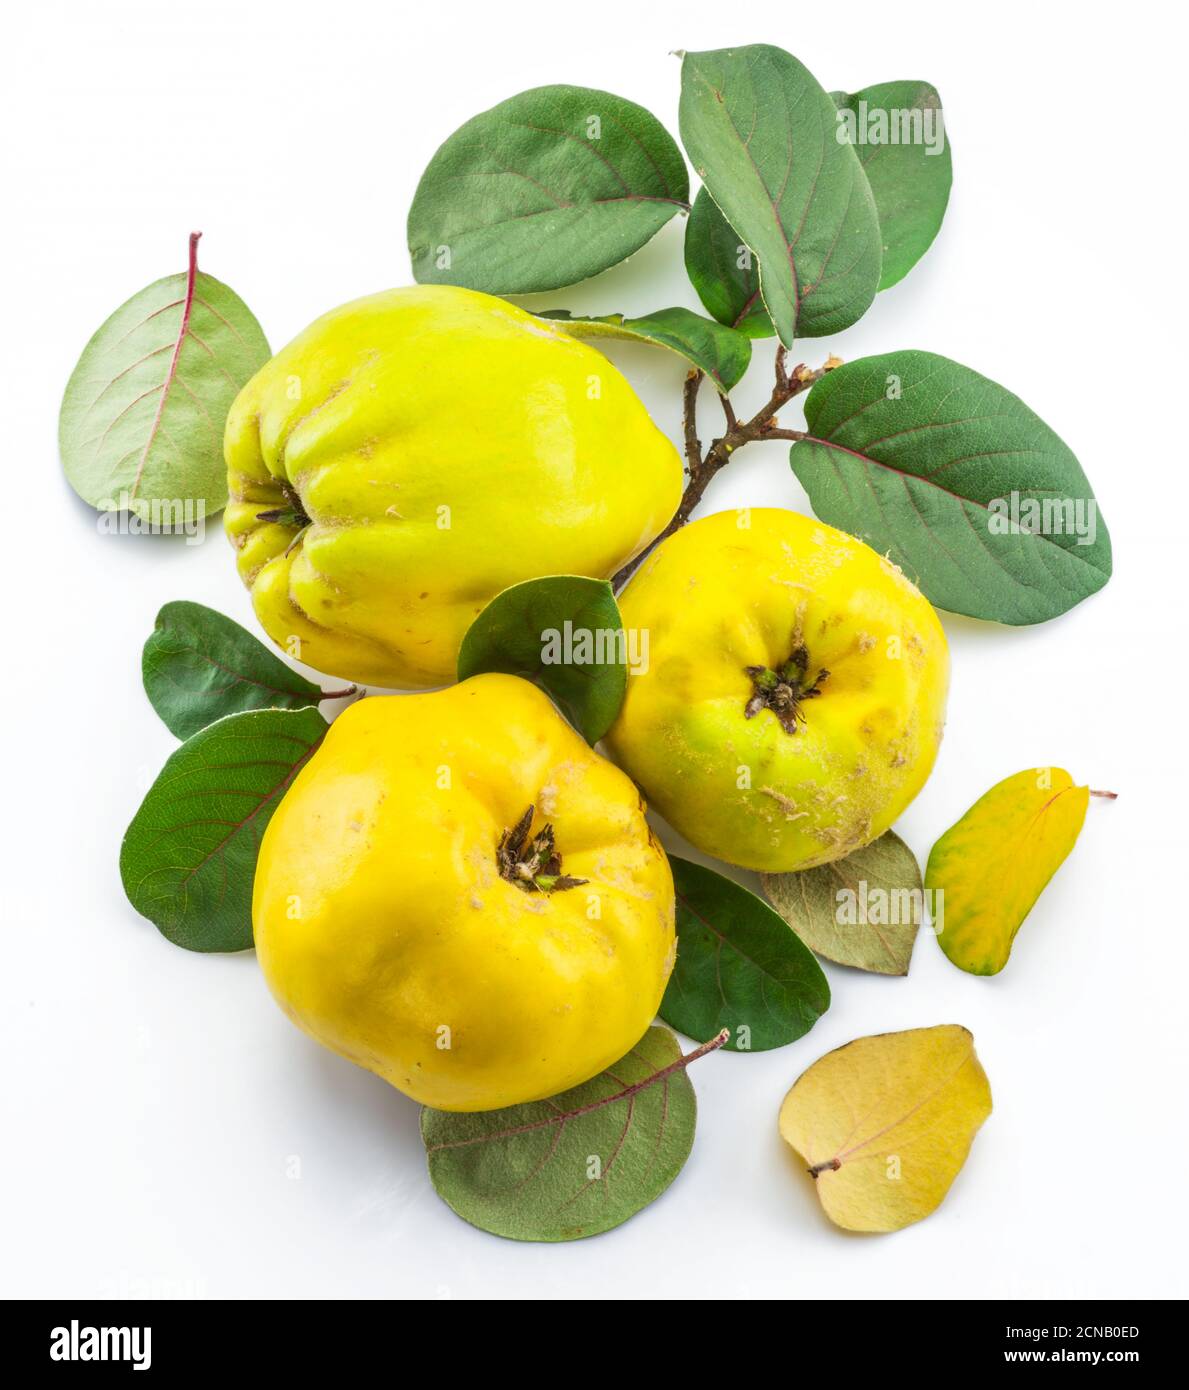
x,y
701,469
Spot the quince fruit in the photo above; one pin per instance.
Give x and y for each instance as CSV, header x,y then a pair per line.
x,y
412,454
795,693
460,895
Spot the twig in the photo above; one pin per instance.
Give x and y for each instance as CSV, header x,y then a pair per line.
x,y
693,445
761,426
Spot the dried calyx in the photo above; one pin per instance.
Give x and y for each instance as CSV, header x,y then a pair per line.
x,y
784,690
532,864
291,514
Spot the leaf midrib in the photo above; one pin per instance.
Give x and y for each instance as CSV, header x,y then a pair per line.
x,y
563,1117
171,374
717,96
928,482
237,677
246,820
787,987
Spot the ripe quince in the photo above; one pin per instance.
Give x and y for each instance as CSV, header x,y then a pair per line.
x,y
413,453
795,693
460,895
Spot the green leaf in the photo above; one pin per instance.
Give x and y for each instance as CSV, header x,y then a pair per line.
x,y
723,270
958,482
909,181
578,1164
141,426
189,856
564,632
863,910
763,136
721,353
199,666
545,189
910,177
738,966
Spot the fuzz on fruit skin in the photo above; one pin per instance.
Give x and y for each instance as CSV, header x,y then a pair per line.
x,y
738,606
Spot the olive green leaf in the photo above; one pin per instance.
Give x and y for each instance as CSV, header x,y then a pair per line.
x,y
723,270
721,353
189,856
763,136
565,632
899,135
578,1164
544,190
958,482
199,666
738,966
141,425
863,910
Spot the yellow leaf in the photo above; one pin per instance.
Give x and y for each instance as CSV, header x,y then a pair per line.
x,y
993,864
885,1123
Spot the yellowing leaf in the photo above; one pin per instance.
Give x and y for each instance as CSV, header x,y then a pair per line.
x,y
986,871
863,910
885,1123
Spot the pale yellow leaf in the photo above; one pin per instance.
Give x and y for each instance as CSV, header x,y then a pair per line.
x,y
885,1123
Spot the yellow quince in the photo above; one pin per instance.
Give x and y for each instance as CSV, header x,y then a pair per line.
x,y
460,895
795,692
411,454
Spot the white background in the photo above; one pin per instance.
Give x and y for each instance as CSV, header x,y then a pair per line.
x,y
153,1098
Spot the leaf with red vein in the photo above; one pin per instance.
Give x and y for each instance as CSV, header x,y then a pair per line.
x,y
189,856
141,425
763,135
545,189
199,666
976,499
579,1163
910,182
